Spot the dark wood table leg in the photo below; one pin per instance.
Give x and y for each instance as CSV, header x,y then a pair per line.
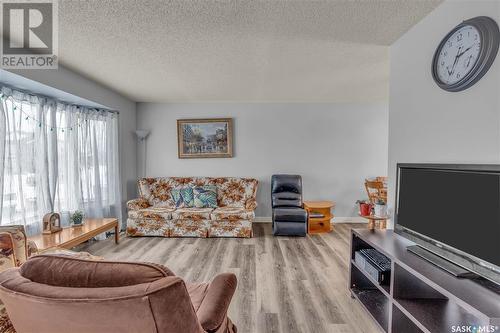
x,y
117,234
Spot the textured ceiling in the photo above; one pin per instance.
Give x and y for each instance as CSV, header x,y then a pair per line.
x,y
170,51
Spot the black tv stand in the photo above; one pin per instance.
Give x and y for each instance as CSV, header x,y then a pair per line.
x,y
442,263
420,296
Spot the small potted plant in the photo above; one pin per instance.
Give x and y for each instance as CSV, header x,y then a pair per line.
x,y
77,218
380,208
365,207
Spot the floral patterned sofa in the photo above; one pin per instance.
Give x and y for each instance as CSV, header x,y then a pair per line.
x,y
154,213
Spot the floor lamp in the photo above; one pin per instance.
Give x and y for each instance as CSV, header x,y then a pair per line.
x,y
142,135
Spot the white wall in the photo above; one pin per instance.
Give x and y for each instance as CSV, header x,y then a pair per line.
x,y
428,124
333,146
75,84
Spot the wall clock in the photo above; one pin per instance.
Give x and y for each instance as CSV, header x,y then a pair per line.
x,y
466,53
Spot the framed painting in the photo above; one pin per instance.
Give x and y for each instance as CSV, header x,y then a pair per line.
x,y
205,138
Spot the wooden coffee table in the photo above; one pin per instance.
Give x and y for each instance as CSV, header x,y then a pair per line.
x,y
70,237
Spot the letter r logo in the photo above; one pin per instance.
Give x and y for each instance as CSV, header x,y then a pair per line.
x,y
27,28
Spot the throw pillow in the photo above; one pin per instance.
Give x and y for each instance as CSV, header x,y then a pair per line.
x,y
183,197
205,196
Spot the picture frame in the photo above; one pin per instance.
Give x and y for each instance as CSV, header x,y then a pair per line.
x,y
205,138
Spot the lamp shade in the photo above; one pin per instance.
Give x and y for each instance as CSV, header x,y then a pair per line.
x,y
142,134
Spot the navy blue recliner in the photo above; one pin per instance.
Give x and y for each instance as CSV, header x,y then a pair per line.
x,y
289,218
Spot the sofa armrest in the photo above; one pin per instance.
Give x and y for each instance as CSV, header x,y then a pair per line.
x,y
251,204
136,204
213,309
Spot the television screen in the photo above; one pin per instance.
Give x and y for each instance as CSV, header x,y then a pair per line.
x,y
459,208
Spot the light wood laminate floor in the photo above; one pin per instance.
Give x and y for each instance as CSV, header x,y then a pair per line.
x,y
285,284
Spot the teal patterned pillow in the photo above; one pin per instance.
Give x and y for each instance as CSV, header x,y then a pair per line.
x,y
205,196
183,197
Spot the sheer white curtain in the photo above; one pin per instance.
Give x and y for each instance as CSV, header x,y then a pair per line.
x,y
56,157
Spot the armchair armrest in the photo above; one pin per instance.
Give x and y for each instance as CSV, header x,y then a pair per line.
x,y
14,246
213,309
251,204
32,249
7,254
136,204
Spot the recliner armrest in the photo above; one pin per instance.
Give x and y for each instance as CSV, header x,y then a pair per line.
x,y
139,203
290,214
213,308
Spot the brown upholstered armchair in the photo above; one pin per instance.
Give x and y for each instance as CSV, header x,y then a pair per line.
x,y
15,249
56,294
14,246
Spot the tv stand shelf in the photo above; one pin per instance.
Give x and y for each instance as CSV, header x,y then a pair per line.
x,y
421,297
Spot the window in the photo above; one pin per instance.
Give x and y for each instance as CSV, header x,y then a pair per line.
x,y
56,157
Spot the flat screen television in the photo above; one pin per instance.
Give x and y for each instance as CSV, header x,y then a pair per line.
x,y
452,211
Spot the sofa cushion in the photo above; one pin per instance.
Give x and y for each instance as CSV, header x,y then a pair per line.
x,y
232,213
205,196
230,228
157,191
183,196
189,228
234,192
155,213
148,227
192,213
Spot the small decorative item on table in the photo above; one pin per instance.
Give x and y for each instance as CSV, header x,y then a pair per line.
x,y
365,207
380,208
77,219
379,215
51,223
319,216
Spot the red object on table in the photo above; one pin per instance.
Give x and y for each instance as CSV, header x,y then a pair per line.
x,y
365,209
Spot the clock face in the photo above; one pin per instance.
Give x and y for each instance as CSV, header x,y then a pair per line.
x,y
458,55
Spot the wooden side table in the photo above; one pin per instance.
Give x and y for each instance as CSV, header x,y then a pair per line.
x,y
317,225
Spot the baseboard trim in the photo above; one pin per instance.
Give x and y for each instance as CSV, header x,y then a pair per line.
x,y
262,219
336,219
349,219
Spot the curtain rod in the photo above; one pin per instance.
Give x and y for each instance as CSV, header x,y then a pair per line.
x,y
58,100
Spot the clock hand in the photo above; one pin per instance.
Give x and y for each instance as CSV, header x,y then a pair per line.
x,y
455,62
461,54
470,58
